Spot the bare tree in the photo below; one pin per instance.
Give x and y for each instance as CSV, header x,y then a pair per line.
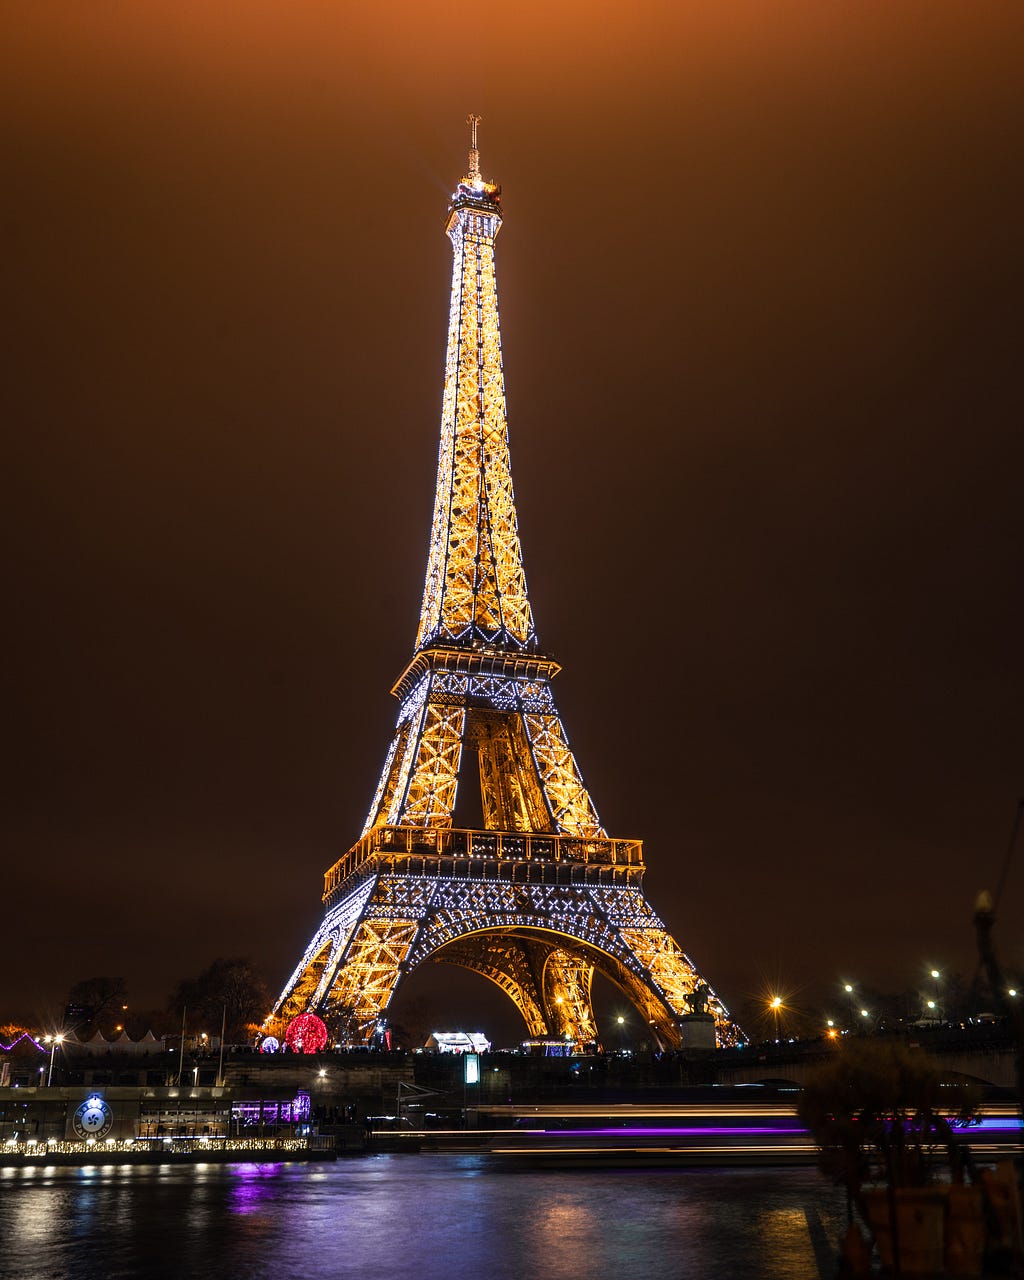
x,y
96,1004
229,988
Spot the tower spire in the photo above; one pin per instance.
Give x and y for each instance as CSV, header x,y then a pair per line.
x,y
475,589
474,155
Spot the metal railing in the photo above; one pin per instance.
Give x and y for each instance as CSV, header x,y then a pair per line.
x,y
490,846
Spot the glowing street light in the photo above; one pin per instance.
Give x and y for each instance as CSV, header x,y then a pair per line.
x,y
776,1006
935,977
848,988
54,1042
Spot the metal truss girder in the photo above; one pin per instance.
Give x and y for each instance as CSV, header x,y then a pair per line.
x,y
460,907
401,756
434,778
300,992
511,794
571,805
674,974
362,991
567,979
315,972
506,963
475,585
389,777
529,779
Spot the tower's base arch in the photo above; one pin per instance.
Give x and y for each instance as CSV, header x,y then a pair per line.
x,y
540,941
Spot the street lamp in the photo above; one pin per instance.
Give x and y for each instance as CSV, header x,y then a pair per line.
x,y
55,1041
775,1005
848,988
935,977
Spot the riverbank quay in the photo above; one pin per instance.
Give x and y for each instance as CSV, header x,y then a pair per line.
x,y
361,1101
368,1082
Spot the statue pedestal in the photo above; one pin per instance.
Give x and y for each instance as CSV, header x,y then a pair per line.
x,y
698,1032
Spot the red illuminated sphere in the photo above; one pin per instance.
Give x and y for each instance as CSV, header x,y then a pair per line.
x,y
306,1034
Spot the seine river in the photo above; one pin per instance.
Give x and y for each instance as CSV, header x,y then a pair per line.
x,y
421,1217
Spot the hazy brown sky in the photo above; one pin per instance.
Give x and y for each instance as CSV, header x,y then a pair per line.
x,y
760,279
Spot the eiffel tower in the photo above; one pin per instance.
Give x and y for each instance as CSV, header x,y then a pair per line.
x,y
539,897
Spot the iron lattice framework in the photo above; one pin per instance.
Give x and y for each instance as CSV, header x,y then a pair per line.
x,y
540,897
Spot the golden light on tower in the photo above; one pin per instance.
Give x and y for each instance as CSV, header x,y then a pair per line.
x,y
540,898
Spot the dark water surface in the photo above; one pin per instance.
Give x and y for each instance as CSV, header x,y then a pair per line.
x,y
421,1217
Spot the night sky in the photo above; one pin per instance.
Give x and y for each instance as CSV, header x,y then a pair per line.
x,y
760,282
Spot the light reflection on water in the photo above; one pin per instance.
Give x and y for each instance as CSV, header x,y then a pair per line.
x,y
422,1217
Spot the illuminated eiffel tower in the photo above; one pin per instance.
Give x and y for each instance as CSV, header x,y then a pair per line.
x,y
541,896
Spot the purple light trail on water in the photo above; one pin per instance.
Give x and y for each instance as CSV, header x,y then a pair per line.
x,y
688,1132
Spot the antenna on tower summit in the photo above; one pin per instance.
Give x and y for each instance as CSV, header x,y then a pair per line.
x,y
474,155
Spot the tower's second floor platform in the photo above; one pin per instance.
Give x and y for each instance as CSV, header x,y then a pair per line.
x,y
511,856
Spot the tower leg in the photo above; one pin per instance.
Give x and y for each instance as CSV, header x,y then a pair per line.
x,y
567,979
354,1006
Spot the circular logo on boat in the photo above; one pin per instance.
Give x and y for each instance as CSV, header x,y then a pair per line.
x,y
93,1118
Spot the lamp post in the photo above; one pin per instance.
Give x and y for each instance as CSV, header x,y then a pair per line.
x,y
54,1042
934,1004
775,1004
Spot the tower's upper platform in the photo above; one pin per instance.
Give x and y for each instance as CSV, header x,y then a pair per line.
x,y
474,195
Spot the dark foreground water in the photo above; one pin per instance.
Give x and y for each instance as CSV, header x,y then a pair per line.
x,y
425,1217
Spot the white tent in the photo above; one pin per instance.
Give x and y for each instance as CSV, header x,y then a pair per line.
x,y
458,1042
